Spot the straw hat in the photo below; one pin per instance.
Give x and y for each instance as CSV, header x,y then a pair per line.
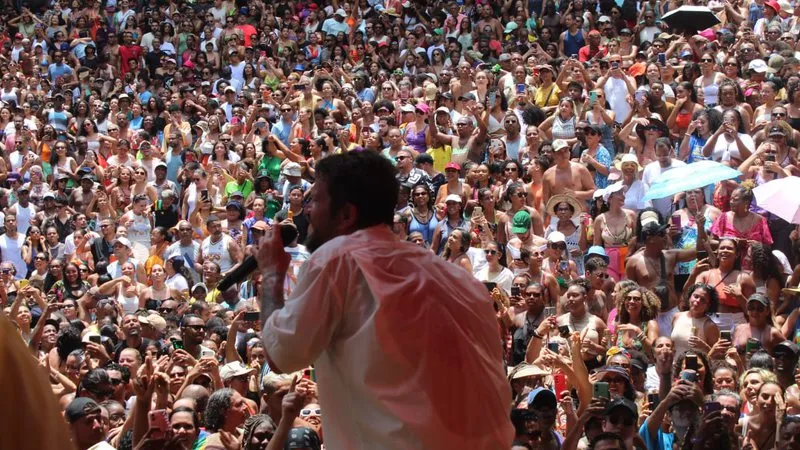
x,y
577,208
628,158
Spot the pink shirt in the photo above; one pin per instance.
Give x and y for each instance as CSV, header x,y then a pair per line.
x,y
407,351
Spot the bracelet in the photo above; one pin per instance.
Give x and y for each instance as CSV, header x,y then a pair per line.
x,y
536,335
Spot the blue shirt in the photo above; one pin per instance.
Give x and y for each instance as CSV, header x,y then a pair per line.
x,y
663,440
367,95
57,70
283,130
604,158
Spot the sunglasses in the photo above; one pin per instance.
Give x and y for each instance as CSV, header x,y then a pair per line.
x,y
490,252
308,412
196,327
757,307
706,60
400,158
558,246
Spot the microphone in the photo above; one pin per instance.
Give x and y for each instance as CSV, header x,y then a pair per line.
x,y
249,265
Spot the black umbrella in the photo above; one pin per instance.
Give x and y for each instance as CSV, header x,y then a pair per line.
x,y
690,18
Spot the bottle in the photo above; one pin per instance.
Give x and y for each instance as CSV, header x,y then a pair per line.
x,y
290,216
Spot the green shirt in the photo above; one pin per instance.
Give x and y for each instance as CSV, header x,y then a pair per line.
x,y
246,188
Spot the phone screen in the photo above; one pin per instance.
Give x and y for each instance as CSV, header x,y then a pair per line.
x,y
600,390
691,362
251,316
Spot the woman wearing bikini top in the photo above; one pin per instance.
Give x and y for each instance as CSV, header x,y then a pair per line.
x,y
733,285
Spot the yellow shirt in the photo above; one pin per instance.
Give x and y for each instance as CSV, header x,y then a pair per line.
x,y
547,96
441,156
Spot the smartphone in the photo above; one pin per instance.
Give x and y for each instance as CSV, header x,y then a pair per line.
x,y
614,65
691,362
676,221
653,401
177,344
208,353
251,316
559,384
204,195
261,124
490,285
662,59
563,266
702,254
592,98
563,330
553,347
521,88
711,407
689,375
288,235
310,374
600,390
515,291
96,339
492,99
725,335
549,311
770,158
752,345
158,420
23,283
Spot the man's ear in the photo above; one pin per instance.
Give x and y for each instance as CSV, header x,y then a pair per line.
x,y
348,217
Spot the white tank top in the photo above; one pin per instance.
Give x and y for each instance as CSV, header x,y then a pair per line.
x,y
218,252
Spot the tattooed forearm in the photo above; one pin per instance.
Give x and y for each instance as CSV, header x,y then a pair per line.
x,y
271,294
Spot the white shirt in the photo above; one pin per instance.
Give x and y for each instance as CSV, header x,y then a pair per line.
x,y
503,278
11,250
651,173
375,316
634,196
724,150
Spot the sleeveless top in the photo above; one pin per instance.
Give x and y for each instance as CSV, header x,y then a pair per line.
x,y
715,280
573,42
683,330
129,304
58,119
711,93
416,138
563,129
426,228
459,154
218,252
447,229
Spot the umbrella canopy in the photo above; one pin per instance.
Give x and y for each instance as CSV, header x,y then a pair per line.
x,y
691,18
780,197
691,176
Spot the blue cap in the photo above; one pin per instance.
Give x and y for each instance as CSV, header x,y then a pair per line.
x,y
686,53
541,394
596,250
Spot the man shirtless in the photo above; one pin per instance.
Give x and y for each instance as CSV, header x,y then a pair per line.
x,y
566,177
654,264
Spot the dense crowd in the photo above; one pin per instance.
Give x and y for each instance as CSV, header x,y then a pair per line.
x,y
148,146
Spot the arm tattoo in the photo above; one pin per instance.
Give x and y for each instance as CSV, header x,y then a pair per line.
x,y
271,294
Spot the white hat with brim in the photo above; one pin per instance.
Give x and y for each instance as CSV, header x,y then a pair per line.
x,y
628,158
612,189
234,369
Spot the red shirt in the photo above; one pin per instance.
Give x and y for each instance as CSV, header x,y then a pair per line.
x,y
585,55
127,52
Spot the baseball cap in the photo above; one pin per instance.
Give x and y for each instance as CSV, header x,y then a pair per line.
x,y
758,66
124,241
556,237
157,322
453,198
453,165
234,369
80,408
260,225
407,108
623,403
521,223
542,397
200,286
787,346
598,251
559,144
341,12
760,298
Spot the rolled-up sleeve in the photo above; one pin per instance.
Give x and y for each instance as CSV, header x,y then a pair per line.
x,y
296,334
